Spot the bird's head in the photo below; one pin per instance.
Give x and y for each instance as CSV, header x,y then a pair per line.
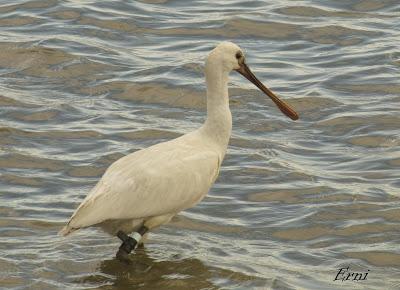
x,y
230,57
227,55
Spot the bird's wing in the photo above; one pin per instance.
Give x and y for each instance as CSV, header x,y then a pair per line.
x,y
164,178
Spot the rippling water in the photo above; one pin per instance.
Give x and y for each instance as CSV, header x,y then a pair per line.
x,y
86,82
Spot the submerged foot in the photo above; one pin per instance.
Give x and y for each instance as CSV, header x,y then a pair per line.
x,y
127,246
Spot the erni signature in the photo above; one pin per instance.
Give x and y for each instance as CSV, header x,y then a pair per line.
x,y
345,274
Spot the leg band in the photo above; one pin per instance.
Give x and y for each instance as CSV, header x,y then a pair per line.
x,y
136,236
129,243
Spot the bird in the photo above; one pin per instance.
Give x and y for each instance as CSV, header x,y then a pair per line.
x,y
147,188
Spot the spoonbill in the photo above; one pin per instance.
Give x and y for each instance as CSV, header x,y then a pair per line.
x,y
145,189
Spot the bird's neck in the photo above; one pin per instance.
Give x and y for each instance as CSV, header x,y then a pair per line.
x,y
218,124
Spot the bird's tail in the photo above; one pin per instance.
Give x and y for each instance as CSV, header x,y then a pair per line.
x,y
65,231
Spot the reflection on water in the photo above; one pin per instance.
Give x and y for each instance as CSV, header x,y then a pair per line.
x,y
145,272
83,84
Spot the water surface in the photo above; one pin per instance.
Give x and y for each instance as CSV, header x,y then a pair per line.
x,y
84,83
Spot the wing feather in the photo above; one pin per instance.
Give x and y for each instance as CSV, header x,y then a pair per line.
x,y
165,178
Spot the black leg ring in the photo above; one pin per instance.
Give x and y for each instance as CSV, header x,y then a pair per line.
x,y
128,243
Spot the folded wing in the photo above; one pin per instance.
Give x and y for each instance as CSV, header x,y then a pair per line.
x,y
165,178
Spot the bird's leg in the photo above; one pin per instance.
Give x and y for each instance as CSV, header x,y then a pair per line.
x,y
142,241
129,243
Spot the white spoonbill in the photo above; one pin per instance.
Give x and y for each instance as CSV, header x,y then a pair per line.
x,y
145,189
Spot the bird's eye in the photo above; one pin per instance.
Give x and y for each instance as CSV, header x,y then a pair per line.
x,y
238,55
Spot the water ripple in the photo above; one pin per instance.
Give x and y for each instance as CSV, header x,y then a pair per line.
x,y
84,84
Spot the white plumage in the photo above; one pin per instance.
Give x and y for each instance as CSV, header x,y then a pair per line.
x,y
162,179
150,186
